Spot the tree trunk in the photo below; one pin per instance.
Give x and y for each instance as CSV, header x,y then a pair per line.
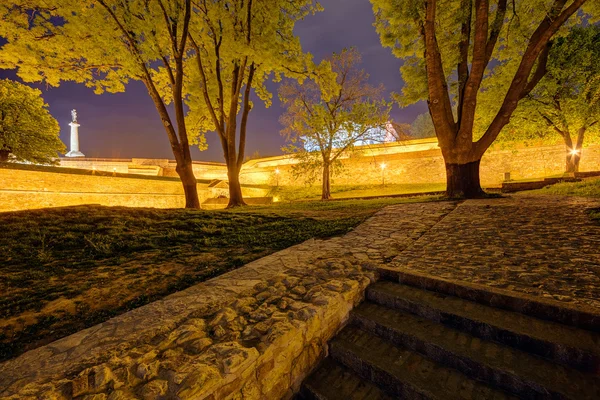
x,y
326,187
462,180
190,188
572,164
4,155
236,199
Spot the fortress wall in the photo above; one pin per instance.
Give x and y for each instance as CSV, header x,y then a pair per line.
x,y
417,161
24,189
422,165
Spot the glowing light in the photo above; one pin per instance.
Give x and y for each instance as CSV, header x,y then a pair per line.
x,y
115,169
574,152
277,171
383,166
275,199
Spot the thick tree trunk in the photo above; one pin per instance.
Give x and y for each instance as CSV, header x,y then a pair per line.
x,y
462,180
190,188
326,184
4,155
236,199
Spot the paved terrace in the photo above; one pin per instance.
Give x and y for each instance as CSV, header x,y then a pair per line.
x,y
257,331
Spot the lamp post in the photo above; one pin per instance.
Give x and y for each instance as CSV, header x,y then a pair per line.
x,y
277,176
383,173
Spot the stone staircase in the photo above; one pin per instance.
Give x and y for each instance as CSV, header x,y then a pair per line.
x,y
433,339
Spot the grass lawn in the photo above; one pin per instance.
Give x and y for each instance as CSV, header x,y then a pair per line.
x,y
586,188
65,269
292,193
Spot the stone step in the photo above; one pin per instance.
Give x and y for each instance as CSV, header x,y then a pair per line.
x,y
403,373
515,371
523,303
563,344
333,381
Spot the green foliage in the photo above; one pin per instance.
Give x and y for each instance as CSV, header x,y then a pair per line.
x,y
323,125
567,99
422,127
234,37
398,24
27,130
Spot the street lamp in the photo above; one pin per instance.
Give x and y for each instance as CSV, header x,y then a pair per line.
x,y
383,173
277,176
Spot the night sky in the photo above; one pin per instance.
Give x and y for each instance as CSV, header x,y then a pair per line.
x,y
127,125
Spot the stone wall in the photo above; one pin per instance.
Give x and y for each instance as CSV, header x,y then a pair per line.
x,y
145,166
25,189
423,163
415,161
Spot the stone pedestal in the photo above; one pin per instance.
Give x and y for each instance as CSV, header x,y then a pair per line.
x,y
74,152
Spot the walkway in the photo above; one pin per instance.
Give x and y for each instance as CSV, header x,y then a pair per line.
x,y
542,246
237,332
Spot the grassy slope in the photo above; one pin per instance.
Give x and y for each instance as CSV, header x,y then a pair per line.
x,y
65,269
585,188
292,193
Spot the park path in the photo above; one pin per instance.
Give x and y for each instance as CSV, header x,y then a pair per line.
x,y
540,245
198,340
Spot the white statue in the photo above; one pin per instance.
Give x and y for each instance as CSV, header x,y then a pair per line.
x,y
74,137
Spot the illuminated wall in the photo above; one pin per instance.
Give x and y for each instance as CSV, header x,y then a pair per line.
x,y
24,189
417,161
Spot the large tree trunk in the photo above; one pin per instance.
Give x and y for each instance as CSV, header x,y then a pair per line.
x,y
190,188
326,184
236,199
4,155
462,180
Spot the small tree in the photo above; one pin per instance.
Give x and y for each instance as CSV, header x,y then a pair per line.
x,y
237,46
451,47
322,126
567,99
422,127
27,130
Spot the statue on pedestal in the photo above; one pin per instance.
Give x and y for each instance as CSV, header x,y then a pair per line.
x,y
74,152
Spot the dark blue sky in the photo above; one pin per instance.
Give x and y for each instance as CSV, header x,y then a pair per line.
x,y
127,124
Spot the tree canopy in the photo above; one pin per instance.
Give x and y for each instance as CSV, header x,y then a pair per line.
x,y
27,130
323,125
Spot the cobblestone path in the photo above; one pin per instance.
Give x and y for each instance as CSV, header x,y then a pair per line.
x,y
543,246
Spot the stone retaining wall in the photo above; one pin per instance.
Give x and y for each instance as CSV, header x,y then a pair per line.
x,y
25,189
253,333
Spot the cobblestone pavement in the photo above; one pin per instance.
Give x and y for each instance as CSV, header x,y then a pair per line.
x,y
541,245
257,331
